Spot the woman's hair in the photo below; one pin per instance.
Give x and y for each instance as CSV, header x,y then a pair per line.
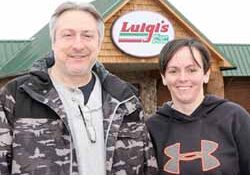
x,y
70,6
169,50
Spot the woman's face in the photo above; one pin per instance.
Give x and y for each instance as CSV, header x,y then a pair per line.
x,y
185,78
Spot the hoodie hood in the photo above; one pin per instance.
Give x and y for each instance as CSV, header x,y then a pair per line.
x,y
209,103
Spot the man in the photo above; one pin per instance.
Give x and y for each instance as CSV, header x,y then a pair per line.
x,y
70,115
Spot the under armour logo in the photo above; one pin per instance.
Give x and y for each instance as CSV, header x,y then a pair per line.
x,y
209,162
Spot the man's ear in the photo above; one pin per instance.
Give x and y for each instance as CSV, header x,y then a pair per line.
x,y
164,82
207,76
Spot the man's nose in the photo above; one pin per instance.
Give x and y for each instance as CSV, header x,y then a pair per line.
x,y
78,43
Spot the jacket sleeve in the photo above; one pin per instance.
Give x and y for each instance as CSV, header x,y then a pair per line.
x,y
151,167
242,136
150,162
5,134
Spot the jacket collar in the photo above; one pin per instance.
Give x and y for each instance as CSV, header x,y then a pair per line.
x,y
112,84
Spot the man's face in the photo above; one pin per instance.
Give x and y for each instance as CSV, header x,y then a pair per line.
x,y
76,43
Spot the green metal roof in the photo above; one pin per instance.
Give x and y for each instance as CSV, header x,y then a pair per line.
x,y
38,47
105,7
239,56
8,49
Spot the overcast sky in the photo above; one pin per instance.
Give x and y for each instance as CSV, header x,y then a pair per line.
x,y
221,21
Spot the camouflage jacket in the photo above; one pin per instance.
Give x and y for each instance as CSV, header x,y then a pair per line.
x,y
35,138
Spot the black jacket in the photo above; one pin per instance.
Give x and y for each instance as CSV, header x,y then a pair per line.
x,y
214,139
35,137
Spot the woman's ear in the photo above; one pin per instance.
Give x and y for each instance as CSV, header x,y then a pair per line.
x,y
207,76
164,81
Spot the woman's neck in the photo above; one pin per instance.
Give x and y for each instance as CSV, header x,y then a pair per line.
x,y
187,108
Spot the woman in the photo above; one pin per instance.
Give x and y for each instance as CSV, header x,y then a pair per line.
x,y
195,133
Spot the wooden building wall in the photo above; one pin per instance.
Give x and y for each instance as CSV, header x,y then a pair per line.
x,y
110,54
237,89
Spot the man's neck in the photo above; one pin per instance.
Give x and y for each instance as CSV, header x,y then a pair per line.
x,y
70,81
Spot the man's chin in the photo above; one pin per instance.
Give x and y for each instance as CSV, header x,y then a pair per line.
x,y
79,72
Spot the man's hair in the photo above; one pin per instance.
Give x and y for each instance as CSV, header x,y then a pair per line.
x,y
70,6
173,46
